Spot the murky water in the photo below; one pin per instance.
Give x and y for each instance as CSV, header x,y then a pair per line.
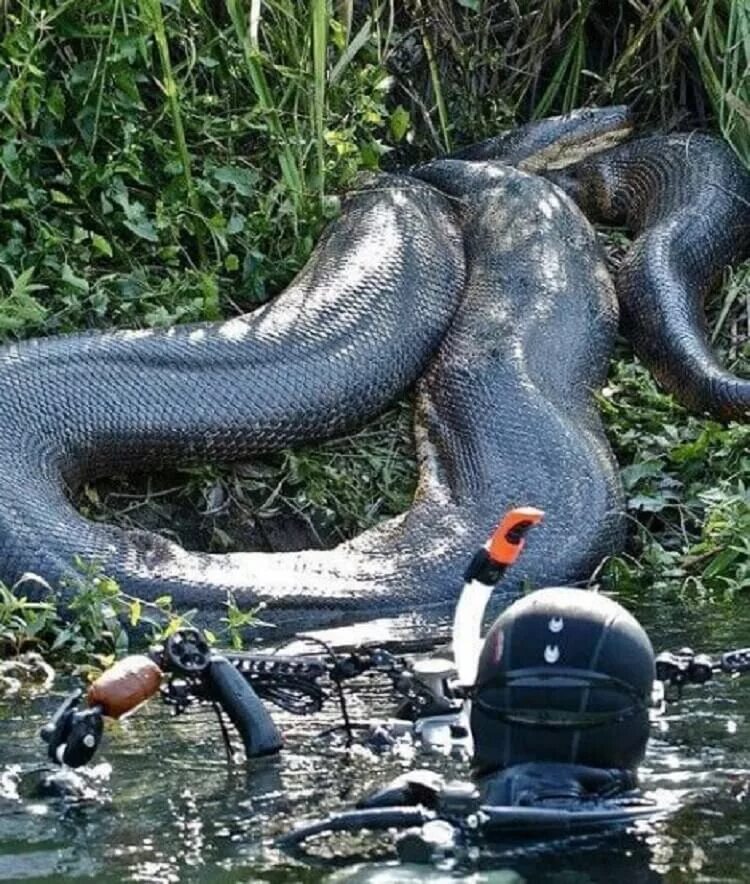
x,y
163,805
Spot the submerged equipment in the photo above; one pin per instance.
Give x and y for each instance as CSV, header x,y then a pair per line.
x,y
553,708
73,735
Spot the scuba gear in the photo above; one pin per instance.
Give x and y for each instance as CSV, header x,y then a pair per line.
x,y
553,711
565,675
186,654
485,571
683,667
525,799
124,686
73,735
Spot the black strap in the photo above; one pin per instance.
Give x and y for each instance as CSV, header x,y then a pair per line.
x,y
535,678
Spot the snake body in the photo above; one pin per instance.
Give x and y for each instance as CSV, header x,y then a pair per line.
x,y
687,200
479,278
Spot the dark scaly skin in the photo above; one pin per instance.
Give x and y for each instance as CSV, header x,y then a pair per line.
x,y
354,331
335,348
505,415
556,142
687,199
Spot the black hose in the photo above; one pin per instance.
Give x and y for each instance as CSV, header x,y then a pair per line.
x,y
506,819
537,819
354,820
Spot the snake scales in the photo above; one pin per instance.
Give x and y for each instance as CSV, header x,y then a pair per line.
x,y
469,273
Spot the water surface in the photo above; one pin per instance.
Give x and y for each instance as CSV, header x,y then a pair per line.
x,y
163,805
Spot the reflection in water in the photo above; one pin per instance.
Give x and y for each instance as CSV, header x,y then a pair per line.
x,y
162,805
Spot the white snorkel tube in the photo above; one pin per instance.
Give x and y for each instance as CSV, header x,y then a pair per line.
x,y
483,574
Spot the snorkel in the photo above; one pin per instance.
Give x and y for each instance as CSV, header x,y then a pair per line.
x,y
485,571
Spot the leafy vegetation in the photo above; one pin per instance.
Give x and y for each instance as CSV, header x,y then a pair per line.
x,y
93,632
166,161
98,622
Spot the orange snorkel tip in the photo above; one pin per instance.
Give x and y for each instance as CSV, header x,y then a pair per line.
x,y
507,539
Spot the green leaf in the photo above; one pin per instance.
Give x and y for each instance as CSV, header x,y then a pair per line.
x,y
721,562
369,155
60,198
633,474
243,180
135,612
101,245
210,292
10,162
22,284
648,504
236,223
56,102
122,643
20,308
62,638
399,122
77,282
143,228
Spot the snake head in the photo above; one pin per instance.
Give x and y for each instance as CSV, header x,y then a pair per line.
x,y
559,142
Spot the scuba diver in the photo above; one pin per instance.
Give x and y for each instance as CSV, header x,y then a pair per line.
x,y
560,708
559,720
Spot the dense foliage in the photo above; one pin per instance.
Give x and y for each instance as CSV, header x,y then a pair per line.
x,y
171,161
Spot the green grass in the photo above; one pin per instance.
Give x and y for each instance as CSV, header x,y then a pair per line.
x,y
173,161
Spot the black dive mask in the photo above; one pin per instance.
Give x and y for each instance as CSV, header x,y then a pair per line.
x,y
493,701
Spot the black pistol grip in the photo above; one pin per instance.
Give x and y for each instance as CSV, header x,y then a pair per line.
x,y
244,708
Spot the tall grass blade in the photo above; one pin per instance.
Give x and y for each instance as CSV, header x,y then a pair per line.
x,y
434,78
353,47
319,51
346,17
254,62
151,9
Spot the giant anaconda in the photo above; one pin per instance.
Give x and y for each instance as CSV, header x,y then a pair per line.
x,y
480,278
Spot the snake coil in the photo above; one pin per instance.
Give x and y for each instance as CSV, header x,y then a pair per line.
x,y
479,279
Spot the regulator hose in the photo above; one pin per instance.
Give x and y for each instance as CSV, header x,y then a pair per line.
x,y
354,820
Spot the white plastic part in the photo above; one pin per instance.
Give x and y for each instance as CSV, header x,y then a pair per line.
x,y
446,734
467,627
433,673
